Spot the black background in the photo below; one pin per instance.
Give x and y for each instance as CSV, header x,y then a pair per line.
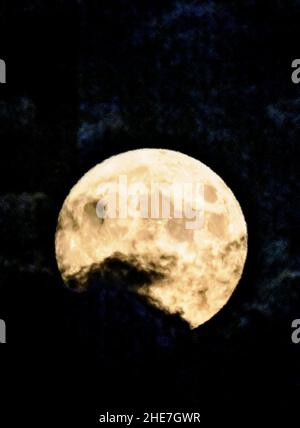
x,y
89,79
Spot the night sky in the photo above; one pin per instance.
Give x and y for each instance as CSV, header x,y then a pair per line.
x,y
87,79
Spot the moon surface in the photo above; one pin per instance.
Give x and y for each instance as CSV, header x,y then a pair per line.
x,y
184,269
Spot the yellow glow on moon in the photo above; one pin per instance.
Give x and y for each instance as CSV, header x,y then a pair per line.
x,y
196,270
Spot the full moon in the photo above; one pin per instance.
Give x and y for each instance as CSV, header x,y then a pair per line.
x,y
167,216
